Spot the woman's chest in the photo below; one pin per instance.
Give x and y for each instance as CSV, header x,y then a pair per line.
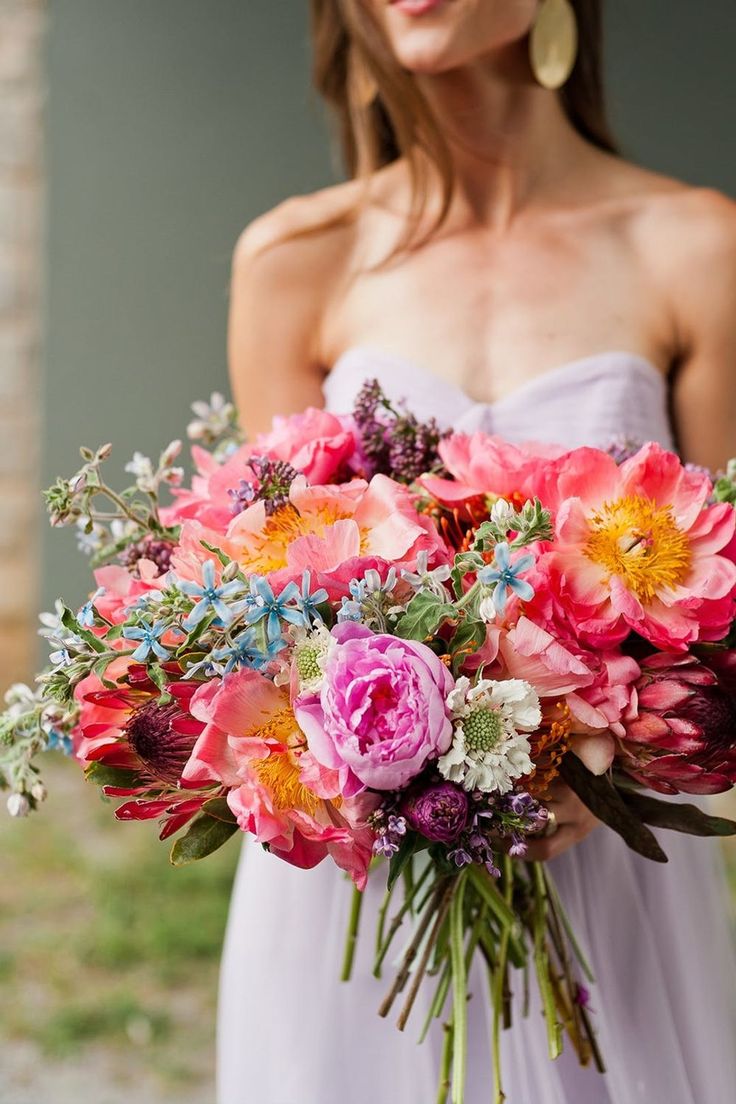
x,y
487,313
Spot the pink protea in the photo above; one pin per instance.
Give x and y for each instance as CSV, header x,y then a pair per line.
x,y
637,547
684,736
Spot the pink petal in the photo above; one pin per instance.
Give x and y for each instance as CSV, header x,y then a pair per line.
x,y
596,751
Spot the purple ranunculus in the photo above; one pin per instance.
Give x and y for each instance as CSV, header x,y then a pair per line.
x,y
439,811
382,710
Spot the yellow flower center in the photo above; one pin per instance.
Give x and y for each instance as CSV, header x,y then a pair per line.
x,y
280,775
282,528
640,543
277,727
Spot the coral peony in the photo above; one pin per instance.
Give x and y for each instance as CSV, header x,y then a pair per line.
x,y
324,527
252,743
637,547
487,466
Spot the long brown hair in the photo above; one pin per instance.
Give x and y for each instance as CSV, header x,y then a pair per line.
x,y
399,122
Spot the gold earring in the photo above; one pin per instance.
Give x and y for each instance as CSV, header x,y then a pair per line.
x,y
363,85
553,43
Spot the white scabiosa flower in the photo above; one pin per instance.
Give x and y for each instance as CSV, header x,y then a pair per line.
x,y
489,749
311,651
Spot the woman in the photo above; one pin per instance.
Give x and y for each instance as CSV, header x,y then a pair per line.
x,y
495,262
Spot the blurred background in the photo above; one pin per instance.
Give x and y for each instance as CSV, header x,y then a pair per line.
x,y
137,139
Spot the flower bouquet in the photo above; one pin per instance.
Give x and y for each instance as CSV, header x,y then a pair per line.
x,y
360,637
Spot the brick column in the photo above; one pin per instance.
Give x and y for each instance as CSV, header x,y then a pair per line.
x,y
21,184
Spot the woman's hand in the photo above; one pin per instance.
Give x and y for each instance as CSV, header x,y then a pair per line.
x,y
574,822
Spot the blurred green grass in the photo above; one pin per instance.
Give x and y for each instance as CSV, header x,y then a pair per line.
x,y
104,944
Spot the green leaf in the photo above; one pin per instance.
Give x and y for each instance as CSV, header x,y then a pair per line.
x,y
424,615
203,836
607,803
224,560
100,669
69,621
677,817
218,808
399,861
103,775
468,638
161,679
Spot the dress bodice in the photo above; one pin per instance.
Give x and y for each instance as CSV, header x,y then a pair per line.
x,y
590,401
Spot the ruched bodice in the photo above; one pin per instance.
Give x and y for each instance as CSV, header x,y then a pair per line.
x,y
657,936
589,401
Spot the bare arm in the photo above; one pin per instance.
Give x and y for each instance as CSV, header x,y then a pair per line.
x,y
704,294
286,266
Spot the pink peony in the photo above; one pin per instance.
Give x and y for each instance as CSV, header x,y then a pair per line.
x,y
637,547
382,711
252,745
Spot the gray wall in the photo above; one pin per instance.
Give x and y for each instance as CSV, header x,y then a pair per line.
x,y
173,122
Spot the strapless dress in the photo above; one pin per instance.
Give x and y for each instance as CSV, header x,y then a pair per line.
x,y
658,937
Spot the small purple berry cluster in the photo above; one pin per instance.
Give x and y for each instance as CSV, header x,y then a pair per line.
x,y
394,442
274,483
159,551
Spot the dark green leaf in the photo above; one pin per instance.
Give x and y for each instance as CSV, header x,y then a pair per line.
x,y
468,638
607,803
203,836
677,817
218,808
103,775
424,615
399,861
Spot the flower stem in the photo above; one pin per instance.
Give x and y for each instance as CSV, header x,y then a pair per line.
x,y
541,961
383,944
459,992
498,983
421,969
411,951
444,1083
352,936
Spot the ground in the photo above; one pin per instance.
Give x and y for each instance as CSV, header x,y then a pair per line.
x,y
108,956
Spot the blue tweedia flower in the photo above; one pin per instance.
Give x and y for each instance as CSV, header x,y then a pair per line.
x,y
245,652
308,601
86,615
350,610
273,607
59,741
210,597
149,640
505,576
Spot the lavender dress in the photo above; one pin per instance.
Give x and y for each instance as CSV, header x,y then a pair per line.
x,y
657,936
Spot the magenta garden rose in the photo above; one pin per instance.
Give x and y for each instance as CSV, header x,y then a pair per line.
x,y
381,711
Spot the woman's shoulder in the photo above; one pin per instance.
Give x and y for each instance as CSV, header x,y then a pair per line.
x,y
300,229
674,221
